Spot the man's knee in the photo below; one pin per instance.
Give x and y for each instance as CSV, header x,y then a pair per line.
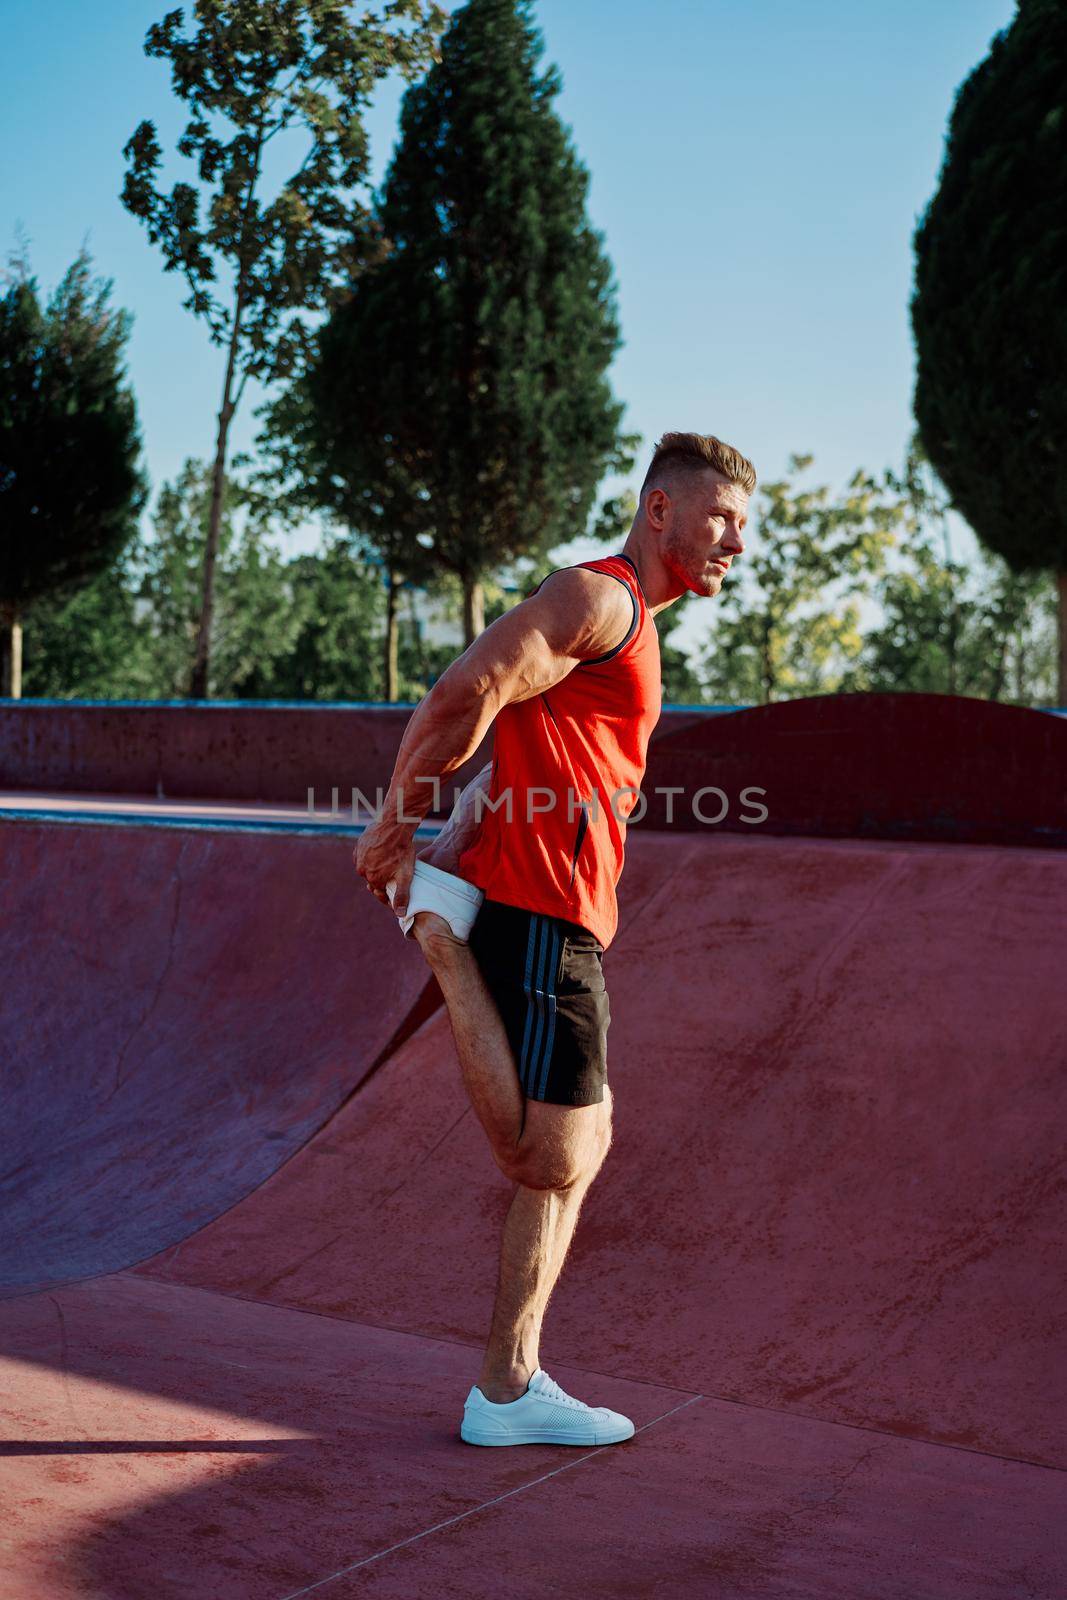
x,y
537,1168
538,1163
438,943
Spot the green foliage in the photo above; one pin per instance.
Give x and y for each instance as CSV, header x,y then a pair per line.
x,y
679,673
864,594
990,304
336,616
993,638
252,72
950,630
614,516
461,389
421,662
787,622
70,484
88,644
303,629
308,628
253,623
308,464
258,70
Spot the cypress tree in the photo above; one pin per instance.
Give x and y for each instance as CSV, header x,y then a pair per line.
x,y
70,484
463,381
990,305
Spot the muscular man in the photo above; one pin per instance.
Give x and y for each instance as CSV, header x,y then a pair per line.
x,y
570,681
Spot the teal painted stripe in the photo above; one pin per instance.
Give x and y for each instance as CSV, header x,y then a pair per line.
x,y
112,819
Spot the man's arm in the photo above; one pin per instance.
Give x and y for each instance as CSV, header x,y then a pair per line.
x,y
462,825
575,615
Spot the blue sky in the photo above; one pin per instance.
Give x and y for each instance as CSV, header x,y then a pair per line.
x,y
757,168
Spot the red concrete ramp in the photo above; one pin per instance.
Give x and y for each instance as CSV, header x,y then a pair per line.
x,y
822,1270
180,1011
906,767
837,1186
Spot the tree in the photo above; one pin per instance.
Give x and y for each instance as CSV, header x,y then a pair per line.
x,y
266,67
308,628
306,467
989,310
994,640
943,628
788,621
254,623
70,484
460,388
680,675
337,615
90,643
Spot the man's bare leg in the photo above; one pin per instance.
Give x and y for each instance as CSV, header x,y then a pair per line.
x,y
485,1056
537,1234
552,1152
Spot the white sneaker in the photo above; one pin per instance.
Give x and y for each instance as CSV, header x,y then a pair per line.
x,y
543,1415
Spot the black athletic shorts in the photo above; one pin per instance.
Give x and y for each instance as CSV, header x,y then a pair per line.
x,y
545,976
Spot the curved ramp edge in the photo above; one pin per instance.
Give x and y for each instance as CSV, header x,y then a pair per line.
x,y
183,1011
908,767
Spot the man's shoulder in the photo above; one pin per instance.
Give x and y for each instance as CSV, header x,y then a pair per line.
x,y
591,607
596,588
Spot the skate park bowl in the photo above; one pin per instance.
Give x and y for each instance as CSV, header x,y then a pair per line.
x,y
250,1223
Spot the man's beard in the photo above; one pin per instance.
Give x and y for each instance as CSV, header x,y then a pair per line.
x,y
689,565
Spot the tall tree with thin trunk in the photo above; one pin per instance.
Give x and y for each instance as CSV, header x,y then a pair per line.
x,y
990,305
70,484
463,382
257,70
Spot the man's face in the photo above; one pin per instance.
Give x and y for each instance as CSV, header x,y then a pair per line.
x,y
701,526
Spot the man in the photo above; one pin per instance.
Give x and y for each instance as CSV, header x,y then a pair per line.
x,y
571,680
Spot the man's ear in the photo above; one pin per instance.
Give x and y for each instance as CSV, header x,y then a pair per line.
x,y
657,505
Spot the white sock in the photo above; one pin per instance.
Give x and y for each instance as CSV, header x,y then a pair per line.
x,y
435,890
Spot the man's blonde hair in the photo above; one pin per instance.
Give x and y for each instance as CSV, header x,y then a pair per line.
x,y
695,452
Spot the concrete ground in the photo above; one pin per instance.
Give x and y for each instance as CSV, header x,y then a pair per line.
x,y
250,1226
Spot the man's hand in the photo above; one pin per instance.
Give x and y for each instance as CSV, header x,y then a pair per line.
x,y
386,854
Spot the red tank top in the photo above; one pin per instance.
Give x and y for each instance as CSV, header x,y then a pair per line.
x,y
572,759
